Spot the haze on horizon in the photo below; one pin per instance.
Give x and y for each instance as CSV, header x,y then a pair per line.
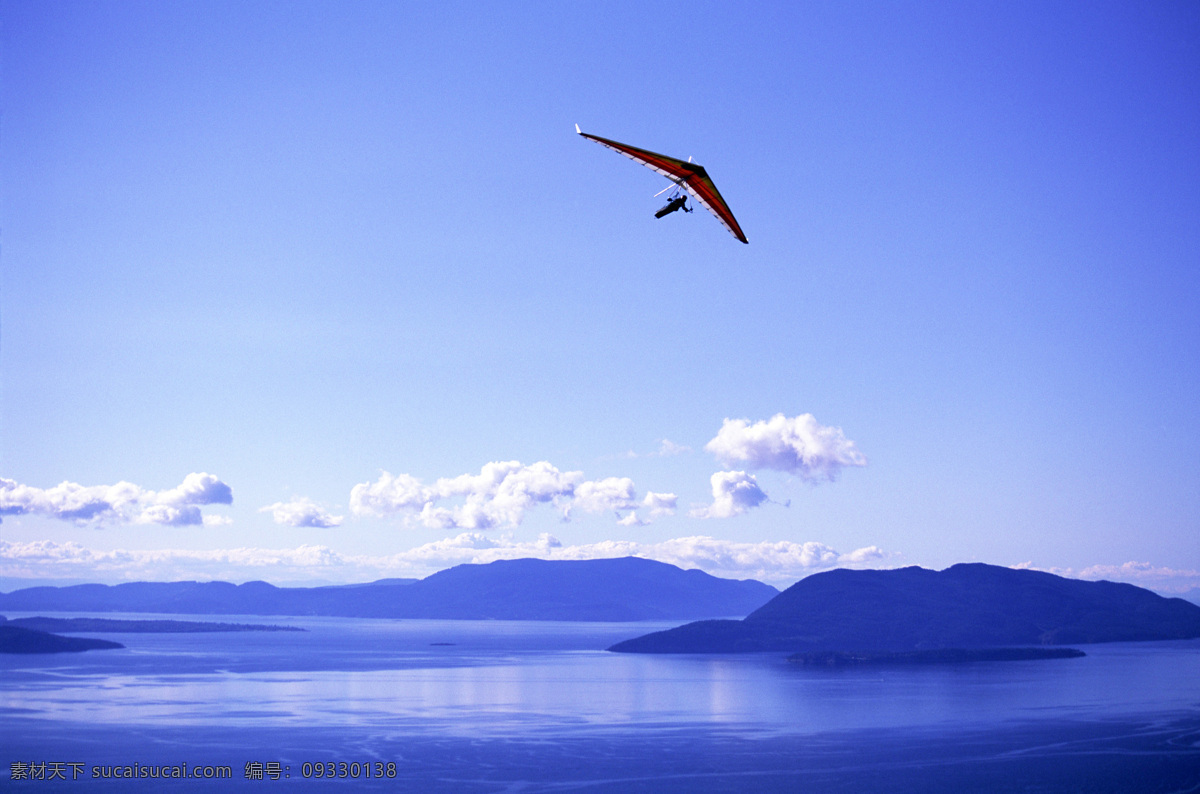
x,y
317,293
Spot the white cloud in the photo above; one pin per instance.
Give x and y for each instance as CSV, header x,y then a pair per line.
x,y
777,562
499,496
660,504
198,489
123,503
798,445
861,556
170,515
734,492
388,494
666,449
669,449
611,493
301,512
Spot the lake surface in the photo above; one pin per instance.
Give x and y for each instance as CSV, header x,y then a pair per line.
x,y
540,706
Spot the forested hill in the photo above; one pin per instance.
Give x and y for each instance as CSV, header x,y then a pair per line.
x,y
907,609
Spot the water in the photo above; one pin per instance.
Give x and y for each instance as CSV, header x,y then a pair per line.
x,y
540,706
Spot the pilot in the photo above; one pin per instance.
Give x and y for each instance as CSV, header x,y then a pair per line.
x,y
677,203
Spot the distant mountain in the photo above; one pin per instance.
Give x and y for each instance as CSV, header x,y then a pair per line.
x,y
629,588
910,609
14,639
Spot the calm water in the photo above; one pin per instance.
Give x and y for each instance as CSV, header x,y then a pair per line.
x,y
535,706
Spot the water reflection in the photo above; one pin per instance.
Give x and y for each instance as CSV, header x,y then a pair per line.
x,y
499,677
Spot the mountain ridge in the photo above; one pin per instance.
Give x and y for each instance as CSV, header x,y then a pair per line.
x,y
612,589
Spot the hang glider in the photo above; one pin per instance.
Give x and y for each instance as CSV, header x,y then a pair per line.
x,y
685,176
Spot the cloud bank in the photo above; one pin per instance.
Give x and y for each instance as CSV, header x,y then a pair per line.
x,y
123,503
499,496
798,445
777,562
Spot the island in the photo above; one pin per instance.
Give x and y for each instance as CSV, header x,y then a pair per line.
x,y
109,626
937,656
966,606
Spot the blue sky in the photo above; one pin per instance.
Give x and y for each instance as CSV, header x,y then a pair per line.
x,y
307,247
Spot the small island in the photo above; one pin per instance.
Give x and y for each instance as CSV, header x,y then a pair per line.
x,y
930,656
14,639
106,625
41,634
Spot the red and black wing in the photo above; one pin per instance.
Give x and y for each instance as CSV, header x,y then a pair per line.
x,y
690,176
